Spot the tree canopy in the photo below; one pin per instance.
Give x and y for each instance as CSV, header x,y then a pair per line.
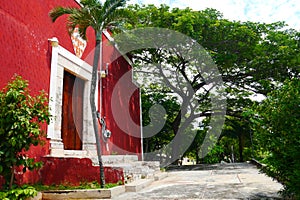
x,y
252,58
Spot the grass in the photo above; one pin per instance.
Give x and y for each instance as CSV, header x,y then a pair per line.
x,y
83,186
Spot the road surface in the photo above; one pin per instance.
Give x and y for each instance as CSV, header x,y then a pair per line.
x,y
221,181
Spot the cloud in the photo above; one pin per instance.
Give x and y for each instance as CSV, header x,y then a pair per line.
x,y
243,10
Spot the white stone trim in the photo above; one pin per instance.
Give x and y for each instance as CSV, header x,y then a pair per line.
x,y
62,60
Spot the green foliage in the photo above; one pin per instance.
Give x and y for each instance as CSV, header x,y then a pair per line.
x,y
93,13
157,95
21,117
214,155
277,130
18,193
253,58
237,134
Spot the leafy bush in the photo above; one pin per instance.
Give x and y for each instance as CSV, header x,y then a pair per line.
x,y
277,130
21,117
18,193
214,155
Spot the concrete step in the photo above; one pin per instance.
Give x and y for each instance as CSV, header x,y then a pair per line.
x,y
133,169
138,185
160,175
114,159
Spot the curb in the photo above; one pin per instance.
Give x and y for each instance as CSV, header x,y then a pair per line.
x,y
83,194
257,163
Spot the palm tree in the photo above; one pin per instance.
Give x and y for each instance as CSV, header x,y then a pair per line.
x,y
99,16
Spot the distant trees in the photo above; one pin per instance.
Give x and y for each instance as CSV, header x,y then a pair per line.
x,y
150,98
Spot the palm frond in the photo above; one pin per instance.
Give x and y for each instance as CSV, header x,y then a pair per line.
x,y
117,19
81,19
111,6
89,3
59,11
92,13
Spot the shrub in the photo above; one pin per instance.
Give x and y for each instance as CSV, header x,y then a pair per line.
x,y
18,193
21,117
278,132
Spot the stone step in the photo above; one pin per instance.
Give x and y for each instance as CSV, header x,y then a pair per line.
x,y
133,169
114,159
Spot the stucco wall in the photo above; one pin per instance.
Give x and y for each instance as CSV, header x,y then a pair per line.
x,y
24,47
121,103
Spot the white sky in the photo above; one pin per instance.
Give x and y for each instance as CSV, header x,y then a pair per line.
x,y
243,10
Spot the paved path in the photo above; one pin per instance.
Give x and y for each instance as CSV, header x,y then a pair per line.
x,y
227,181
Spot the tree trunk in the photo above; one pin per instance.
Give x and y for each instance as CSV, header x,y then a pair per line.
x,y
197,154
12,177
93,105
241,147
176,143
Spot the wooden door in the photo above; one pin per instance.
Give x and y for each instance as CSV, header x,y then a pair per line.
x,y
72,112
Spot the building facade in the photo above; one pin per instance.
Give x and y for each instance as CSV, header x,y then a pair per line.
x,y
45,54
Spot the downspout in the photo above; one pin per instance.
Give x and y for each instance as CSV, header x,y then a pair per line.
x,y
141,124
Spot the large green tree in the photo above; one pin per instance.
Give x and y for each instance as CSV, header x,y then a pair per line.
x,y
99,16
252,58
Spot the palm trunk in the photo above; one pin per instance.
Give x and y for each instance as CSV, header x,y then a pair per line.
x,y
93,105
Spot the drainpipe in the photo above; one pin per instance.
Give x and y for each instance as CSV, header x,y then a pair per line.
x,y
141,124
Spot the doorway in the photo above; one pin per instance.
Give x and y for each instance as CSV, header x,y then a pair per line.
x,y
72,112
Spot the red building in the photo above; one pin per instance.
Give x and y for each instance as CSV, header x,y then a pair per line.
x,y
43,53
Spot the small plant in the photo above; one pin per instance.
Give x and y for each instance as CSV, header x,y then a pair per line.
x,y
18,193
21,117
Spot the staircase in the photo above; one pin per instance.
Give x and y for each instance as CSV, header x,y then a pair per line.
x,y
132,168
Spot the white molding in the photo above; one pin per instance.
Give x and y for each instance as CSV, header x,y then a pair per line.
x,y
62,60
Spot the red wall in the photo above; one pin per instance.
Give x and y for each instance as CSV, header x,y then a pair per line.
x,y
69,171
125,123
24,47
